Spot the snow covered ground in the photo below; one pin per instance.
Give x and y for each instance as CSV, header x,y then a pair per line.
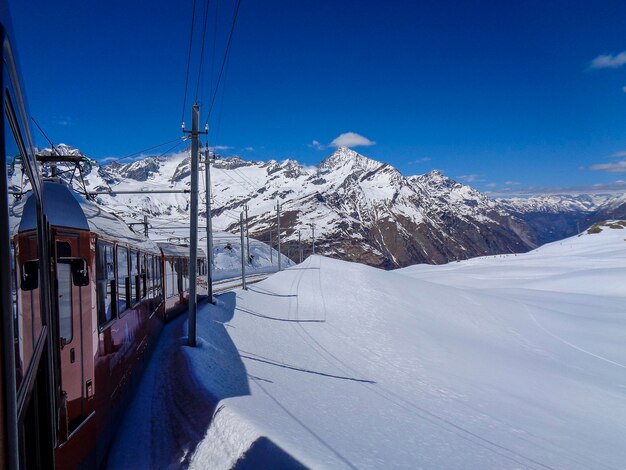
x,y
497,362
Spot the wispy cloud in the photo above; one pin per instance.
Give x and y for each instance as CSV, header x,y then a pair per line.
x,y
511,183
63,121
491,185
624,89
609,61
471,178
351,139
613,167
221,147
317,145
249,149
419,160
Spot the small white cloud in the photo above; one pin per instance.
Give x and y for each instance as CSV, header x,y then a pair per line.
x,y
63,121
316,145
221,147
491,185
511,183
249,149
351,139
615,167
471,178
609,61
419,160
624,89
619,154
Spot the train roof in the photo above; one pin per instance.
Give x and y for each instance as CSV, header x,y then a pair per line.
x,y
178,250
64,207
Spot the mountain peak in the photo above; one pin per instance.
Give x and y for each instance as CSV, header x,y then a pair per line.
x,y
62,149
346,157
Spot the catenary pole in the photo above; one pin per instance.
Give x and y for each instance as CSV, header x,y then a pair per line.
x,y
300,246
247,235
209,222
278,231
243,261
313,237
193,234
271,249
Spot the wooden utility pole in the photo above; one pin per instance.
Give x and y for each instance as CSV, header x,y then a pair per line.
x,y
243,254
278,231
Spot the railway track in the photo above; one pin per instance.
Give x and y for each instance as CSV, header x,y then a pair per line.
x,y
226,285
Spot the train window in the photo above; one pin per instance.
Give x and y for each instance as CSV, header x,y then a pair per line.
x,y
158,279
123,280
149,260
144,274
179,270
29,279
105,281
135,288
80,272
64,250
64,281
170,277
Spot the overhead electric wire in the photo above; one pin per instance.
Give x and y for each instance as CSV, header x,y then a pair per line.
x,y
217,10
181,139
226,53
193,19
184,139
220,108
207,3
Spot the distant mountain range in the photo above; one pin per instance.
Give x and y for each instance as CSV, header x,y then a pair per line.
x,y
361,209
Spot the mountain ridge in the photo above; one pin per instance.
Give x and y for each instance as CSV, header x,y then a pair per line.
x,y
362,209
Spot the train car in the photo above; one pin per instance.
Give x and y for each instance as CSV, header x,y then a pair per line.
x,y
112,288
176,277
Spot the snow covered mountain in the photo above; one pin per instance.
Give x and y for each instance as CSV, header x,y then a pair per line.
x,y
554,217
359,209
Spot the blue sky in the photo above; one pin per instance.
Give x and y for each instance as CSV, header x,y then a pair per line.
x,y
503,95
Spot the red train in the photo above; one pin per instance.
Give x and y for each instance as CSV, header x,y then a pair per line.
x,y
82,301
112,289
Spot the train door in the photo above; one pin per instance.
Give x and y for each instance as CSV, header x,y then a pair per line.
x,y
71,291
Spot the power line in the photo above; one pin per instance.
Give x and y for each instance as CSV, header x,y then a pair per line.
x,y
226,52
193,16
206,15
217,10
181,139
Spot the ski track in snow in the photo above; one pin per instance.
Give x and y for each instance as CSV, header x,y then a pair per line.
x,y
578,348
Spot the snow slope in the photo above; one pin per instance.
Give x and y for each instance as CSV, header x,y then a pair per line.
x,y
496,362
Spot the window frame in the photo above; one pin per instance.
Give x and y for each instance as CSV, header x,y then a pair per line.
x,y
104,323
126,285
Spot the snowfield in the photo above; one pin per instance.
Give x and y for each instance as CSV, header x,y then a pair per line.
x,y
496,362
